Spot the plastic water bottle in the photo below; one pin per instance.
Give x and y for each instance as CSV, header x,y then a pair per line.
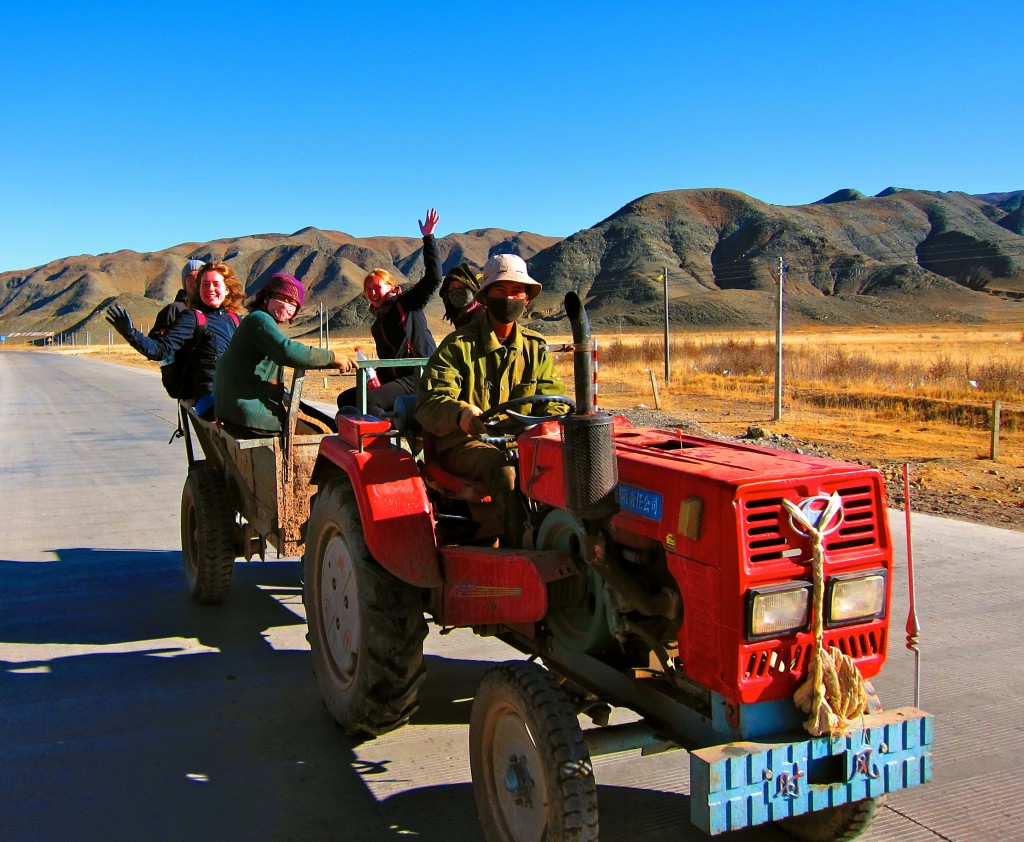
x,y
372,381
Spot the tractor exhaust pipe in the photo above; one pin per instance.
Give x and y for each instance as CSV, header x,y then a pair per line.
x,y
591,469
580,323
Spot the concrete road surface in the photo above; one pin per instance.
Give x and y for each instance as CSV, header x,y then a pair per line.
x,y
127,712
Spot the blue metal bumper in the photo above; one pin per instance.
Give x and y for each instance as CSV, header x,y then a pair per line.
x,y
748,783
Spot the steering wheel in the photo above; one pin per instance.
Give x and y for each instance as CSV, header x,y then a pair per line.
x,y
506,411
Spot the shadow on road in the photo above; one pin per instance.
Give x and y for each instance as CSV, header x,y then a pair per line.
x,y
105,596
132,713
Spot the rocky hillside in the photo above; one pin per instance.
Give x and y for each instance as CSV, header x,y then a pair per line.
x,y
70,295
903,256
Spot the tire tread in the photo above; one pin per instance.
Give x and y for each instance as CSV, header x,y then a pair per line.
x,y
559,737
206,492
391,666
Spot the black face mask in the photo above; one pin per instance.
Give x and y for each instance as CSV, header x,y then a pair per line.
x,y
460,298
506,310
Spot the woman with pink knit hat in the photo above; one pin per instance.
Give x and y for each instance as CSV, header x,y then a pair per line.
x,y
249,385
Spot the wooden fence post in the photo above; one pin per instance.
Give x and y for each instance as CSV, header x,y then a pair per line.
x,y
996,409
654,386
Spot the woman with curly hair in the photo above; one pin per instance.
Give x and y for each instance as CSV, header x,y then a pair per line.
x,y
202,332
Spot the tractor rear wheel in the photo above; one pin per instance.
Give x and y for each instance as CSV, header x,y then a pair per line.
x,y
532,774
834,824
207,535
366,626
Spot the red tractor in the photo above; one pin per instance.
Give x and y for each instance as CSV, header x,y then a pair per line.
x,y
660,572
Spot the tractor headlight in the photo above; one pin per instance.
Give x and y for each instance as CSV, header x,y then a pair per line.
x,y
855,597
776,610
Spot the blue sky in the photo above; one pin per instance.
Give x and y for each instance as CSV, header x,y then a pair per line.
x,y
142,126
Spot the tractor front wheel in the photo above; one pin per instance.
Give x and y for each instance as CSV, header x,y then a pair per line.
x,y
366,626
837,824
532,775
834,824
207,535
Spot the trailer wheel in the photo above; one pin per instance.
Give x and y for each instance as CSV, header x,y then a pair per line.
x,y
366,627
532,775
833,824
207,535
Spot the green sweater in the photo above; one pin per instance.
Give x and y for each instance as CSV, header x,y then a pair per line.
x,y
248,386
471,366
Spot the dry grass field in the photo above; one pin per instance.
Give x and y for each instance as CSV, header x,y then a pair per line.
x,y
882,396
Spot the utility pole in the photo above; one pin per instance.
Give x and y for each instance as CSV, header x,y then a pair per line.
x,y
778,343
667,369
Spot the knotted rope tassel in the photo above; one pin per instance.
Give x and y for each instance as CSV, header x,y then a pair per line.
x,y
834,693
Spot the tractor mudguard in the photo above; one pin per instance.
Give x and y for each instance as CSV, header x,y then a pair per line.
x,y
397,522
485,586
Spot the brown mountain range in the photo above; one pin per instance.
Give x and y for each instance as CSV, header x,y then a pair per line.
x,y
70,295
903,256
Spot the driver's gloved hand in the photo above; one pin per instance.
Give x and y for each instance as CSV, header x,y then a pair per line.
x,y
121,321
469,421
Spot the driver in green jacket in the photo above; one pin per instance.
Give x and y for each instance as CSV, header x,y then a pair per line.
x,y
480,366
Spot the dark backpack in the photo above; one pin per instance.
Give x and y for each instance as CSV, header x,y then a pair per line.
x,y
408,349
175,373
167,317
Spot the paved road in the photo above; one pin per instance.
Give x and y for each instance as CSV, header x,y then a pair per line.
x,y
130,713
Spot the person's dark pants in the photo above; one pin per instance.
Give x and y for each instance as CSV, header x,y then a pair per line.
x,y
380,401
486,463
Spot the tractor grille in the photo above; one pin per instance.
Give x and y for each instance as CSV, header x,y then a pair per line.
x,y
768,536
780,660
763,525
777,661
859,527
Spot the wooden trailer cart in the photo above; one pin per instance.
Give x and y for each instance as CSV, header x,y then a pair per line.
x,y
243,494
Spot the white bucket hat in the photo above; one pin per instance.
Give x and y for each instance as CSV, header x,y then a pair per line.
x,y
508,267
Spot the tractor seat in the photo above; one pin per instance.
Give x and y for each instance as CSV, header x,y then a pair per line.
x,y
403,419
440,480
444,481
